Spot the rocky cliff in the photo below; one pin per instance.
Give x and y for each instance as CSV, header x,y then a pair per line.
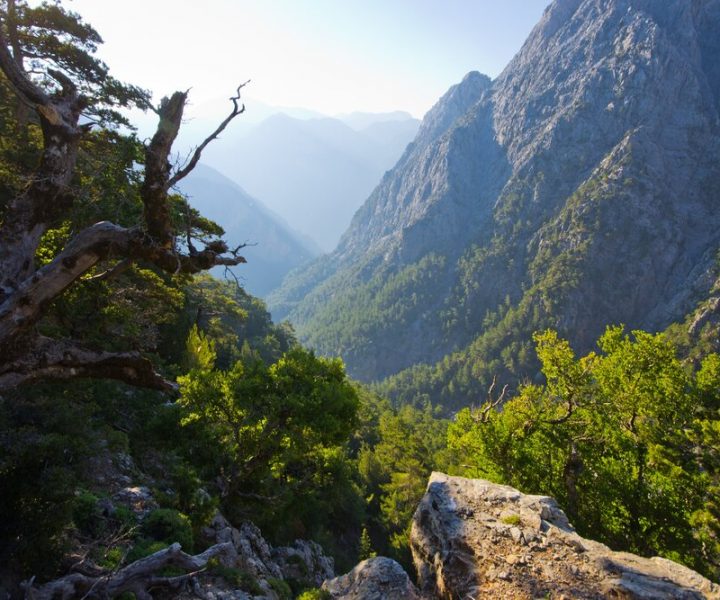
x,y
473,538
578,189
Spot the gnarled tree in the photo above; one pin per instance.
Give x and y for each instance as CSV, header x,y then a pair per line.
x,y
66,94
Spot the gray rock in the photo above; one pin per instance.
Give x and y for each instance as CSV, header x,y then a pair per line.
x,y
254,554
304,561
458,557
373,579
138,499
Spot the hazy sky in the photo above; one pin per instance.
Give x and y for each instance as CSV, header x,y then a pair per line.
x,y
331,56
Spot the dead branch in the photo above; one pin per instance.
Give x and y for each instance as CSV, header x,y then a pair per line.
x,y
237,110
113,272
136,578
63,359
482,414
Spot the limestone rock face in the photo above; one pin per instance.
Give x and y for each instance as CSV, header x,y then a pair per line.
x,y
373,579
472,538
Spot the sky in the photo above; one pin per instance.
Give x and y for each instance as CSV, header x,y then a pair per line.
x,y
329,56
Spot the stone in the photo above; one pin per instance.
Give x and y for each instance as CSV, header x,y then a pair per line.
x,y
305,562
377,578
138,499
454,554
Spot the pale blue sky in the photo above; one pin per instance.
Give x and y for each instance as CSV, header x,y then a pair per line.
x,y
331,56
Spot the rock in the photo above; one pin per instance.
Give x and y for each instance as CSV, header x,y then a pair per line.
x,y
456,558
305,562
138,499
254,553
373,579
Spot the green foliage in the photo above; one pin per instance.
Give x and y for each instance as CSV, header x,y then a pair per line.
x,y
315,594
511,520
237,578
199,350
42,450
614,437
144,547
394,462
281,588
86,513
278,433
169,526
366,550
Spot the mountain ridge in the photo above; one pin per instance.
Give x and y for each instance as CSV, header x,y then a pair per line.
x,y
575,190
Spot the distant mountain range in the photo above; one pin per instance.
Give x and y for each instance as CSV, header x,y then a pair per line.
x,y
314,172
273,247
578,189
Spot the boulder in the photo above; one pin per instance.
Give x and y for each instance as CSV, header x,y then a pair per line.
x,y
373,579
471,538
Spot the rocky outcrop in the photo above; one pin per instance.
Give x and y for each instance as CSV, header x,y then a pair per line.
x,y
303,561
373,579
472,538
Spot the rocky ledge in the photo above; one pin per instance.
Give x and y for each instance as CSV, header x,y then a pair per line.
x,y
472,538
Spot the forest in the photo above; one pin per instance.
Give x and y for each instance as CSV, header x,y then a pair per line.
x,y
122,361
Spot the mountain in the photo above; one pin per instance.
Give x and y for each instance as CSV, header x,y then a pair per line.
x,y
362,120
273,250
579,188
316,172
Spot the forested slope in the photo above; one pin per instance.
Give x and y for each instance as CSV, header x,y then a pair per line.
x,y
577,189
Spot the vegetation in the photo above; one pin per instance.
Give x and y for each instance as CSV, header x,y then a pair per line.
x,y
625,439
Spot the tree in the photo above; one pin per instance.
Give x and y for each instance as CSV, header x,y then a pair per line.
x,y
625,439
65,101
279,433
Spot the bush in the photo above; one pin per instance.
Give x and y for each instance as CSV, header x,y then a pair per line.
x,y
144,547
282,589
86,514
170,526
315,594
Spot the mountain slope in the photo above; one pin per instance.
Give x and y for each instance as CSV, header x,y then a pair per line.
x,y
580,188
315,173
273,250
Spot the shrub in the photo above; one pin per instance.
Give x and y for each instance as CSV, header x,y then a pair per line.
x,y
282,589
170,526
315,594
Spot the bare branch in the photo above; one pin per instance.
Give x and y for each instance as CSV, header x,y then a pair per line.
x,y
118,269
237,110
482,414
136,578
62,359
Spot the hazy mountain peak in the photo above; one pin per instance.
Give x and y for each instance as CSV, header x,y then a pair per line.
x,y
359,120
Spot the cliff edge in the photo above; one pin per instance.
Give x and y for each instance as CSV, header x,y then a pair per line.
x,y
472,538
